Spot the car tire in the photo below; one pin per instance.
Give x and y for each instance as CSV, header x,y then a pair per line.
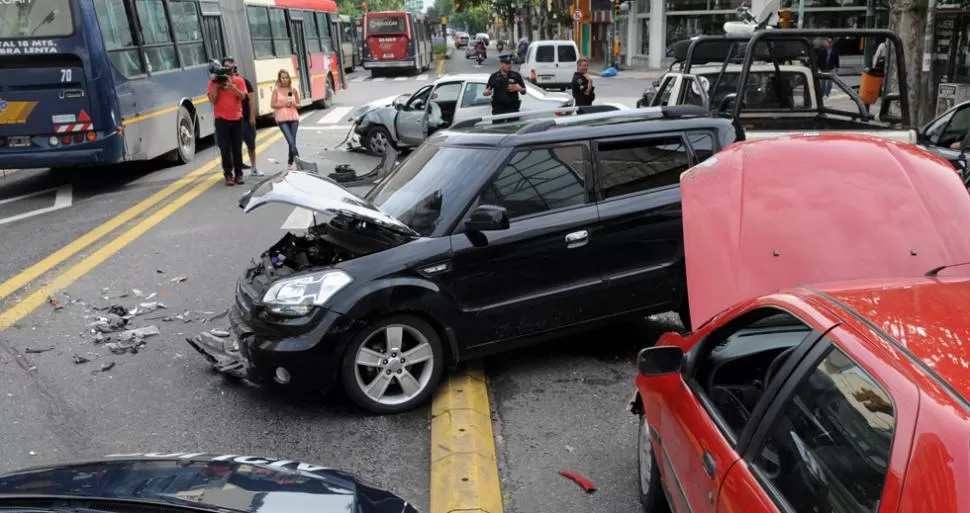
x,y
363,366
186,137
376,140
651,492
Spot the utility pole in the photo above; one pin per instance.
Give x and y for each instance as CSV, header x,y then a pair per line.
x,y
926,93
801,13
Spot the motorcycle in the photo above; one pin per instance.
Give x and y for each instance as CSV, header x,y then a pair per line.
x,y
479,57
500,46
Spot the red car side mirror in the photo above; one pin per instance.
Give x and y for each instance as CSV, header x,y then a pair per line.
x,y
660,360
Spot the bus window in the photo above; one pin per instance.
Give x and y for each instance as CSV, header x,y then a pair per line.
x,y
158,45
116,32
40,18
312,34
188,32
260,32
281,39
323,23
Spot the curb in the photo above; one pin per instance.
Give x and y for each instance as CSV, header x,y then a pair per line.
x,y
464,468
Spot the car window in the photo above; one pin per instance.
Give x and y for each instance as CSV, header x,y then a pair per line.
x,y
447,92
734,364
692,92
537,180
419,99
638,165
956,129
567,53
545,53
666,88
935,130
474,95
829,449
703,145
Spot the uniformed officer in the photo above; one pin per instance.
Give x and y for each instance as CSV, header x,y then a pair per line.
x,y
505,86
582,86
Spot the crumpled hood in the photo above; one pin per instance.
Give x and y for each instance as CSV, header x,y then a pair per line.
x,y
207,481
324,197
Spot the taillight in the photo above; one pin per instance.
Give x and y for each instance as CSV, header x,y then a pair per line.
x,y
532,75
92,136
78,137
66,139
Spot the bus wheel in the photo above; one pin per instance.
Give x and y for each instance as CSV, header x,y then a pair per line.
x,y
186,137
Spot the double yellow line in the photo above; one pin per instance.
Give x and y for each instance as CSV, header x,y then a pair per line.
x,y
17,312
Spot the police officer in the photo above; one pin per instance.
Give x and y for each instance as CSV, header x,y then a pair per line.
x,y
582,86
505,86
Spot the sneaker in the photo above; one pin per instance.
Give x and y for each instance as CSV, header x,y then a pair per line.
x,y
239,179
289,167
229,182
256,172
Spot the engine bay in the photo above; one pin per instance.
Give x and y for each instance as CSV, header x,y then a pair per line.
x,y
295,253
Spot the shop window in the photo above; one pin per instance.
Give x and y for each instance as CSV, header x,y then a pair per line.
x,y
188,32
259,31
118,39
680,27
645,36
312,34
157,39
687,5
281,38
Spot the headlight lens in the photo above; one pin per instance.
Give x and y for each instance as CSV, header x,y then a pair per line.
x,y
295,296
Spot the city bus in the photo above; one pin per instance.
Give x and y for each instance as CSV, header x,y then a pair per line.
x,y
396,40
350,34
93,82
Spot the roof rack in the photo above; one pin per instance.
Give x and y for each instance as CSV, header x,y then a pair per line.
x,y
471,122
641,114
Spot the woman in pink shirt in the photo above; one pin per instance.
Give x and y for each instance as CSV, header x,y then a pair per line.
x,y
285,100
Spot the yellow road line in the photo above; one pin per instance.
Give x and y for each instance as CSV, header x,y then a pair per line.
x,y
33,272
464,469
21,310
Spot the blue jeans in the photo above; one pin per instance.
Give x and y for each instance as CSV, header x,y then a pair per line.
x,y
826,87
289,129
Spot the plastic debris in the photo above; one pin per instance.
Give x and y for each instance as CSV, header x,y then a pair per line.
x,y
125,347
159,271
109,323
570,448
144,308
220,333
147,331
37,350
217,316
78,359
107,366
151,296
580,480
55,303
178,279
137,293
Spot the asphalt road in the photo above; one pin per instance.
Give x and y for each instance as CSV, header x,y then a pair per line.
x,y
558,406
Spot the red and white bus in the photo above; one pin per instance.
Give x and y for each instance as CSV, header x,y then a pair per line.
x,y
396,40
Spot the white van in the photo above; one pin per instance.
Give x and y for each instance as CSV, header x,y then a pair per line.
x,y
551,64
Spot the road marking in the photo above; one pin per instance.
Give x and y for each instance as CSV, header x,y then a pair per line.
x,y
422,77
21,310
464,470
327,127
334,116
378,79
399,79
63,199
33,272
299,219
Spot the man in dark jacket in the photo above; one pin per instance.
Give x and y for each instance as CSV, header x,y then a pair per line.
x,y
506,87
828,61
582,86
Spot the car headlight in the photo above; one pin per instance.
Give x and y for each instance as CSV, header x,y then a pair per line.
x,y
294,297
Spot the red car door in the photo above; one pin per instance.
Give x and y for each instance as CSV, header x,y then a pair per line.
x,y
836,438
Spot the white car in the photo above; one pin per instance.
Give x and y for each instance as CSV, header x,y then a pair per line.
x,y
551,64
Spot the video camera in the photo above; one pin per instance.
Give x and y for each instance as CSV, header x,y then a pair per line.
x,y
220,72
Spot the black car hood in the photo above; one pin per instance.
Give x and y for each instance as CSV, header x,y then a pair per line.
x,y
210,482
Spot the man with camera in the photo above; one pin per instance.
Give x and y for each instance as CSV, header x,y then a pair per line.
x,y
227,92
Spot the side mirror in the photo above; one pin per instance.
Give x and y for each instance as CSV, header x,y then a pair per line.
x,y
488,218
399,106
660,360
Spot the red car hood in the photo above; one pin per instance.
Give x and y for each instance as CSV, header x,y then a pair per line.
x,y
776,213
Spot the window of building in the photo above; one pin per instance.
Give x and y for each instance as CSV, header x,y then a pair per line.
x,y
326,38
545,53
829,450
156,35
643,6
689,5
639,165
645,36
188,32
539,180
118,39
281,37
680,27
312,34
260,32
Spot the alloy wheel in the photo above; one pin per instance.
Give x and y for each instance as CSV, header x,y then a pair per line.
x,y
394,364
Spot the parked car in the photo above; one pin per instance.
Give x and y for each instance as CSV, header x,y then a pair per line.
x,y
192,483
849,395
461,40
551,64
479,242
410,119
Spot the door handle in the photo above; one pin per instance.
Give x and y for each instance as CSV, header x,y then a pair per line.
x,y
710,466
577,239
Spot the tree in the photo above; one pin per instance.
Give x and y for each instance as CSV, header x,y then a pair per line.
x,y
355,7
907,18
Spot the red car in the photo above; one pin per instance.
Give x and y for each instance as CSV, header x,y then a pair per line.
x,y
848,396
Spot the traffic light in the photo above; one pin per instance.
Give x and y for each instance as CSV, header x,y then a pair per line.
x,y
617,9
785,19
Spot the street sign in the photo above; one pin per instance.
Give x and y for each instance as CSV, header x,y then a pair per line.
x,y
518,18
577,15
444,20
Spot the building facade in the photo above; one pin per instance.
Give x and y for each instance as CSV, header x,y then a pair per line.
x,y
414,6
651,27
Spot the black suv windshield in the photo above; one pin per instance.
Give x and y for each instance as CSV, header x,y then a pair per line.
x,y
431,185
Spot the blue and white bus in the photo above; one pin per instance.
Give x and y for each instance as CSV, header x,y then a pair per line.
x,y
89,82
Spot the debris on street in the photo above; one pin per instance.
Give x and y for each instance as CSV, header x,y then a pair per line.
x,y
217,316
109,323
55,303
580,480
78,359
178,279
37,350
132,346
138,333
107,366
220,333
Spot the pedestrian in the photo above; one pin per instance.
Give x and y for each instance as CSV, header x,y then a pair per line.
x,y
582,85
505,86
285,99
828,61
226,93
249,123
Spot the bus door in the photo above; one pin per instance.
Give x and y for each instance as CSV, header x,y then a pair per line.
x,y
298,38
338,43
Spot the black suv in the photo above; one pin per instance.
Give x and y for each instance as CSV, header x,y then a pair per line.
x,y
480,241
